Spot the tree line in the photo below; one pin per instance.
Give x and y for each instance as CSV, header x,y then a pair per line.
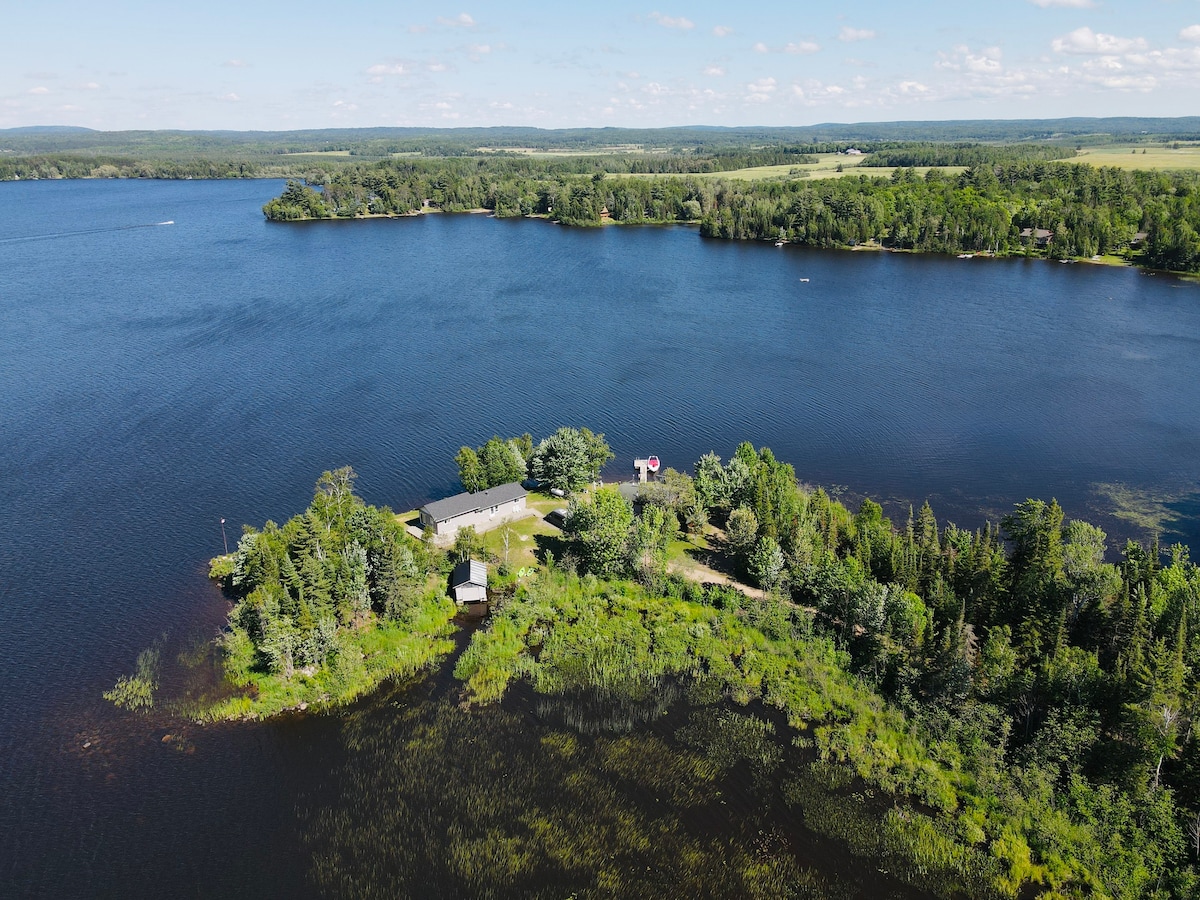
x,y
568,460
992,207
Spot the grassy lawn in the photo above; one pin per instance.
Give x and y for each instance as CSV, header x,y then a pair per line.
x,y
529,537
698,558
1129,156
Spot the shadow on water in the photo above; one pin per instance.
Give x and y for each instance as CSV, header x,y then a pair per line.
x,y
667,793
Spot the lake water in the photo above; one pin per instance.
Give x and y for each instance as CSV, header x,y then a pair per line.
x,y
156,378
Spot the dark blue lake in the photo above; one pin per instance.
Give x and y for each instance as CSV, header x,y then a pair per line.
x,y
156,378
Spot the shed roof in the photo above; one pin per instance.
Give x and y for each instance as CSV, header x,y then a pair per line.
x,y
459,504
469,571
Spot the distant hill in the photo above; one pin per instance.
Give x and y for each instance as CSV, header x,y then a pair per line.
x,y
46,129
381,142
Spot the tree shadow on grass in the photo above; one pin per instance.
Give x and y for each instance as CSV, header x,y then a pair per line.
x,y
717,557
555,544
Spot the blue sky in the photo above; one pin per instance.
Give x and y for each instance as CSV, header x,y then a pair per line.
x,y
261,64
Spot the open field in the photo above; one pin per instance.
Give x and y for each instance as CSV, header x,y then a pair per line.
x,y
1128,156
613,150
826,166
319,153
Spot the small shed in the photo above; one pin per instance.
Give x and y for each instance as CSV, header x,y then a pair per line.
x,y
468,582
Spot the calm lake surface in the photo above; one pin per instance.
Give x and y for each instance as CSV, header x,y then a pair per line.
x,y
156,378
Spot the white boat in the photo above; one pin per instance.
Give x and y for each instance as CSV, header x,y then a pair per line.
x,y
804,281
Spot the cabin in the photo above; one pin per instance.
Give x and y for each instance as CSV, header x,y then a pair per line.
x,y
1041,237
482,510
468,582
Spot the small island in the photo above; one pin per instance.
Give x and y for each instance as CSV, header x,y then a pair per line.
x,y
1025,706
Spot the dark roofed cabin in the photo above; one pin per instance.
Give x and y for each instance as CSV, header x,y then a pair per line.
x,y
483,509
468,583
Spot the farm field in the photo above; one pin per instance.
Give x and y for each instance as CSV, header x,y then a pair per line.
x,y
1129,156
826,166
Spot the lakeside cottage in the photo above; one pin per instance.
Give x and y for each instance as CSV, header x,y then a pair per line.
x,y
483,510
1041,236
468,582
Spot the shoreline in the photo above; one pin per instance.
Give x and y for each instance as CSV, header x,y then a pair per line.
x,y
1108,260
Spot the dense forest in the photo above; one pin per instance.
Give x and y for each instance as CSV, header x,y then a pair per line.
x,y
1087,210
325,606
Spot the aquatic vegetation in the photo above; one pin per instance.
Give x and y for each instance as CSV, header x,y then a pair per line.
x,y
435,801
136,691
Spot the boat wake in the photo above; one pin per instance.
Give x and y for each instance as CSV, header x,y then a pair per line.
x,y
63,234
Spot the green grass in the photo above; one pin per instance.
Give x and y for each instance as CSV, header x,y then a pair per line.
x,y
826,166
365,658
1131,156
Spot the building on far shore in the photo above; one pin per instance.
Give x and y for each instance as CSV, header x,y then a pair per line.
x,y
483,510
469,582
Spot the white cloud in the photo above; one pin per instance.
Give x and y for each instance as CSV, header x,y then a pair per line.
x,y
1084,40
389,69
760,47
479,49
801,47
1173,59
912,88
814,92
986,62
760,91
713,70
722,31
673,22
462,20
1069,4
436,66
236,64
849,34
91,86
39,90
231,98
1191,33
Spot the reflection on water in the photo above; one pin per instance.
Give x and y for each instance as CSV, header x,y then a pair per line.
x,y
589,796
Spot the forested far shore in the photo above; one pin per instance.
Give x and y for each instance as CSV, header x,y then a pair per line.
x,y
1005,207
